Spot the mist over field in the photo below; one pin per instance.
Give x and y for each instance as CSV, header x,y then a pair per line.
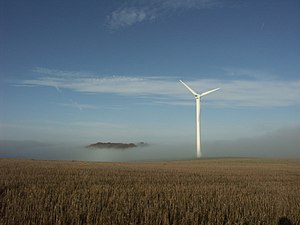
x,y
283,143
80,152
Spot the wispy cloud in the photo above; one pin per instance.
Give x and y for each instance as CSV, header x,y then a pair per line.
x,y
61,73
138,11
76,105
126,16
234,92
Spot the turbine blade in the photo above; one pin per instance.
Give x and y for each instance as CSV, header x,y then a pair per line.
x,y
190,89
207,92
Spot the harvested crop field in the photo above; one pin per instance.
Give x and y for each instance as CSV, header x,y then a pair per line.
x,y
208,191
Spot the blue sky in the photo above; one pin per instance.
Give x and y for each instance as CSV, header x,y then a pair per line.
x,y
87,71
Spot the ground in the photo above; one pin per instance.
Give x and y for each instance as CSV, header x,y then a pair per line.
x,y
206,191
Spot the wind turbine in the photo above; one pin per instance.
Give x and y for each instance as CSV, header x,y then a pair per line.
x,y
198,97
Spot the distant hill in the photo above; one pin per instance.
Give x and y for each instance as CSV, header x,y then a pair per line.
x,y
105,145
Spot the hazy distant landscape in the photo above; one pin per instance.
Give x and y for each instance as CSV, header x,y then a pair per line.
x,y
211,191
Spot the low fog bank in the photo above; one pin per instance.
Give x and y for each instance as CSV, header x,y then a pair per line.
x,y
284,143
33,149
145,152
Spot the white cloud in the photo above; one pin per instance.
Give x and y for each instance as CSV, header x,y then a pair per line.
x,y
142,10
74,104
60,73
233,93
126,17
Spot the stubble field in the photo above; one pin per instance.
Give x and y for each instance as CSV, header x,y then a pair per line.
x,y
211,191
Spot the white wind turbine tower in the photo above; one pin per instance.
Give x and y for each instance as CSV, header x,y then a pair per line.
x,y
198,97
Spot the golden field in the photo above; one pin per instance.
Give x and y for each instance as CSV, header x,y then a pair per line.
x,y
208,191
